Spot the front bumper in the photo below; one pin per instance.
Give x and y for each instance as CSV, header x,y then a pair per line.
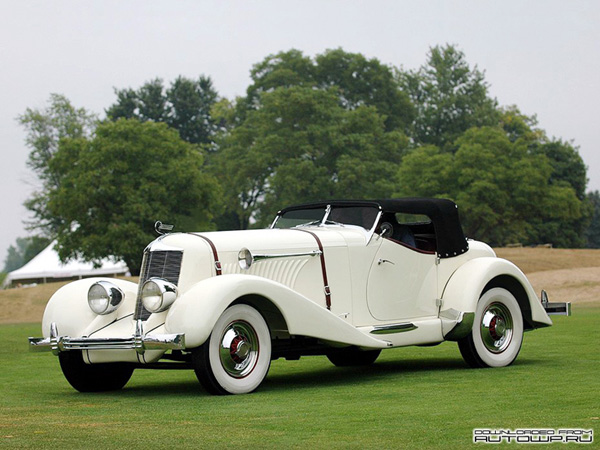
x,y
139,342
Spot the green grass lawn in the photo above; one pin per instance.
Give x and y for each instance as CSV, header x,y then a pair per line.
x,y
412,397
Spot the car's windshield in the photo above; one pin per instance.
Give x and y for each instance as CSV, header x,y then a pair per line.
x,y
362,216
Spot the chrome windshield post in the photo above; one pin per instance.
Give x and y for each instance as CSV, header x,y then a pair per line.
x,y
326,216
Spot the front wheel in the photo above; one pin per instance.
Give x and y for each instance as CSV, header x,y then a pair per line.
x,y
93,377
497,333
236,357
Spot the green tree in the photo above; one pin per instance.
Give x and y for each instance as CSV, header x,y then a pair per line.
x,y
300,145
45,128
568,170
185,106
593,231
363,81
450,97
24,251
499,185
358,81
120,182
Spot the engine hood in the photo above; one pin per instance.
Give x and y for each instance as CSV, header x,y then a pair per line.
x,y
264,239
302,273
274,239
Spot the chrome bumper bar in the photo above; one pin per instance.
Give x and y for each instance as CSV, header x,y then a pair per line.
x,y
138,342
557,308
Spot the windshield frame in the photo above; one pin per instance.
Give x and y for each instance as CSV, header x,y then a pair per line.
x,y
327,209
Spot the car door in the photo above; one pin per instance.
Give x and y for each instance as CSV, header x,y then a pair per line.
x,y
402,283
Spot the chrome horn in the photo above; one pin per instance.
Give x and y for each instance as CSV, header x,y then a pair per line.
x,y
246,258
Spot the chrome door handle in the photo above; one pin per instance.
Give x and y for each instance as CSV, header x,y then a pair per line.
x,y
381,261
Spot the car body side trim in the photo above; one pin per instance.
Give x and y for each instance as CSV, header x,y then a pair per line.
x,y
218,267
395,328
323,268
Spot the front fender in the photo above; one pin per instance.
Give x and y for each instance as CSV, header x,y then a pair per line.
x,y
69,309
465,286
197,310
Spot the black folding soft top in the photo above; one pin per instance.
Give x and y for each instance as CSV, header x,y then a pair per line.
x,y
443,214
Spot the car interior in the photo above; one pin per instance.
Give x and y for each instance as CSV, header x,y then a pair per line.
x,y
415,232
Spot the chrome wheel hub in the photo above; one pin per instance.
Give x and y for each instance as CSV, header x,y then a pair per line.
x,y
239,349
496,328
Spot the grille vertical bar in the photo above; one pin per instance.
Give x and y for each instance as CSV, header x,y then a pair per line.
x,y
161,264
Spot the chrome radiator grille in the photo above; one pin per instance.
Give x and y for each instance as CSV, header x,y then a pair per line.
x,y
165,264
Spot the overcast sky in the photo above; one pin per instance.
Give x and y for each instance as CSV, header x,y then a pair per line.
x,y
542,56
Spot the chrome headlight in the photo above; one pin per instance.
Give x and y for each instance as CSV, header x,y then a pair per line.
x,y
158,295
104,297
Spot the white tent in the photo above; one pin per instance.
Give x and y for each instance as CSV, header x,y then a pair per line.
x,y
46,267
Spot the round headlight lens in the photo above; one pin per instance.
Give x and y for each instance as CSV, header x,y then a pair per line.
x,y
158,295
104,297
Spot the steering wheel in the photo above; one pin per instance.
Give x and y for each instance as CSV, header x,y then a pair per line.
x,y
386,229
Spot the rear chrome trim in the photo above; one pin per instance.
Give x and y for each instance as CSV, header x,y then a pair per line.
x,y
556,308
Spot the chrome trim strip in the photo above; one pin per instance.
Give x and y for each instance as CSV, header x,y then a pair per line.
x,y
259,257
396,328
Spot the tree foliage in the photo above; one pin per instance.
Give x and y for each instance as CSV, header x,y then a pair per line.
x,y
499,185
593,232
24,251
568,171
301,144
336,125
449,97
185,106
45,129
358,81
120,182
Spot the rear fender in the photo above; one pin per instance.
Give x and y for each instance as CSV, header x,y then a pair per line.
x,y
467,283
197,310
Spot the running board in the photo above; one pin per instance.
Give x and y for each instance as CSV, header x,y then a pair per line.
x,y
396,328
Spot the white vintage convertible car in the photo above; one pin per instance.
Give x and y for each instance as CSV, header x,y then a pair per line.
x,y
344,279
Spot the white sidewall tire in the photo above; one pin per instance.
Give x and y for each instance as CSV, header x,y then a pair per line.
x,y
252,380
506,357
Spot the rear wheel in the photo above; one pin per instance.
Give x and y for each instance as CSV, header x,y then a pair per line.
x,y
353,356
497,333
236,357
93,377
